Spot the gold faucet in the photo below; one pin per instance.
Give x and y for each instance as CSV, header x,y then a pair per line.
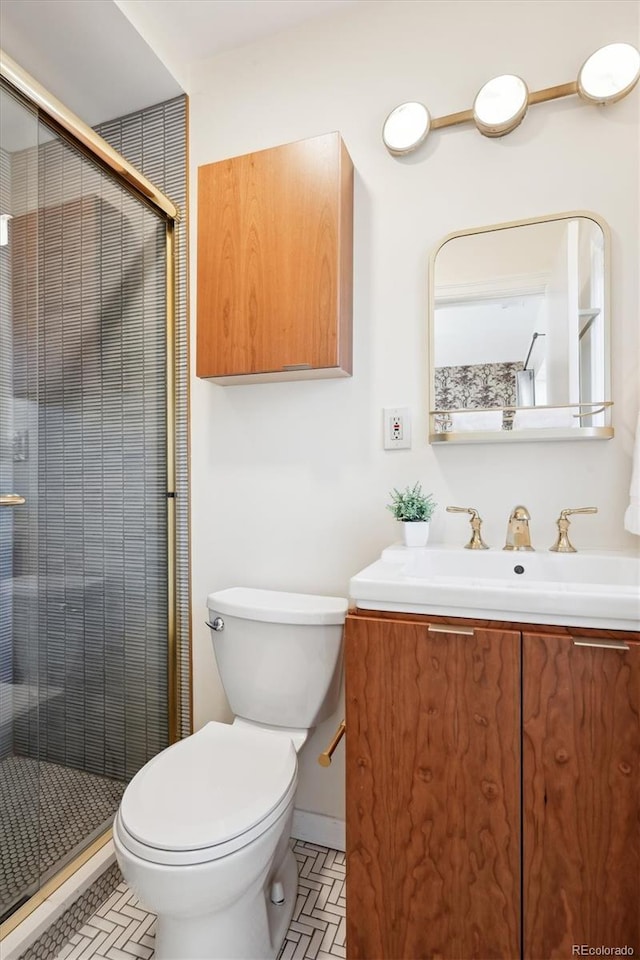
x,y
518,536
476,542
563,544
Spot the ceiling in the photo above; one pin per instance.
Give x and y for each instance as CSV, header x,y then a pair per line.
x,y
182,31
106,58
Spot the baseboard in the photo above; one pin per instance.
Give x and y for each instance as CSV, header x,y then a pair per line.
x,y
318,828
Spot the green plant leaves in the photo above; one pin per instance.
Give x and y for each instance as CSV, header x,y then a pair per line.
x,y
411,504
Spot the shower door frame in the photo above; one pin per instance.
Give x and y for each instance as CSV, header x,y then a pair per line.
x,y
66,124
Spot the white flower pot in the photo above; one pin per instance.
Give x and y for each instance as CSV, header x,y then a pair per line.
x,y
415,533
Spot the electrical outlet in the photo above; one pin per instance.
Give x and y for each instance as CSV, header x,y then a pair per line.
x,y
397,428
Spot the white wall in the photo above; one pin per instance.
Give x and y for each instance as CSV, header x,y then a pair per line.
x,y
499,255
290,480
485,331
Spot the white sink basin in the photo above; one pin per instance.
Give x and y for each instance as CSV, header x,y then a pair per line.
x,y
586,589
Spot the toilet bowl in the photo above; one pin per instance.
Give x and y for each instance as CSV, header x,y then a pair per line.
x,y
202,832
198,837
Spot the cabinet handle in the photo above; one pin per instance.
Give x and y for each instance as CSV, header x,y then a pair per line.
x,y
602,644
296,366
437,628
325,757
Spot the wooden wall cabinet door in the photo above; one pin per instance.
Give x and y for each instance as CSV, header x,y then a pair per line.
x,y
275,264
581,779
433,791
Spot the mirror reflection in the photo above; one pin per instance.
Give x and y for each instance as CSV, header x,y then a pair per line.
x,y
520,332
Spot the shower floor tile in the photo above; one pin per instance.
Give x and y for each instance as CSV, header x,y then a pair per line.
x,y
121,928
47,813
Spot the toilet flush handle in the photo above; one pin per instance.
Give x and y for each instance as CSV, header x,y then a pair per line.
x,y
217,625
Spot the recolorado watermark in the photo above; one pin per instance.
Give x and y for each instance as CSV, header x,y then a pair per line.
x,y
585,950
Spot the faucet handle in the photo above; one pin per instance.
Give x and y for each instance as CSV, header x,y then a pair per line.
x,y
476,542
563,544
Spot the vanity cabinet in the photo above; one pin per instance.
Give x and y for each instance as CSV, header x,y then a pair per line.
x,y
275,264
433,791
581,794
493,789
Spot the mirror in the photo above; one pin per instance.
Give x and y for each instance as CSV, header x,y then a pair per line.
x,y
519,332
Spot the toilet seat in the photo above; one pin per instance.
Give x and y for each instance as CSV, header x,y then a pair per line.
x,y
207,795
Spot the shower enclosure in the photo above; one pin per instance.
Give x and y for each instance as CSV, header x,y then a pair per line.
x,y
85,526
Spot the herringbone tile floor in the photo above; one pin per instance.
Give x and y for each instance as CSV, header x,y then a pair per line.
x,y
121,929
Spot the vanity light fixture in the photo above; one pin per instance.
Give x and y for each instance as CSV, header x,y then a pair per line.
x,y
406,127
609,74
606,76
500,105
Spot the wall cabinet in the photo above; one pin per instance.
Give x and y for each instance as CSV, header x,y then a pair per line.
x,y
275,264
459,843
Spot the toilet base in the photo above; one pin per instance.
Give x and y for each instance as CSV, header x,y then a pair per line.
x,y
251,930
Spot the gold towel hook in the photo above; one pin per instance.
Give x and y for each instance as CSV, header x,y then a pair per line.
x,y
325,757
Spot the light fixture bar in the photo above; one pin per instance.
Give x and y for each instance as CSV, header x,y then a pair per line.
x,y
452,119
536,96
553,93
606,76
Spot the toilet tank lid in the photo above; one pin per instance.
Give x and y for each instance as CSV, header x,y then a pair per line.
x,y
273,606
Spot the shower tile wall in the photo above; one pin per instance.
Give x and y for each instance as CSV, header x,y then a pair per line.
x,y
154,141
6,474
90,628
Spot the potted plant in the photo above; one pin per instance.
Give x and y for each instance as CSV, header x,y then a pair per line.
x,y
415,509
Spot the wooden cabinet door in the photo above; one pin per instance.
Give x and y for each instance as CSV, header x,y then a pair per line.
x,y
433,792
581,777
275,262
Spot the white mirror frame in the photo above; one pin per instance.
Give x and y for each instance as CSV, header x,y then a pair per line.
x,y
535,433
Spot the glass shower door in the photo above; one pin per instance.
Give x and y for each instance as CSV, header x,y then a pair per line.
x,y
19,700
84,541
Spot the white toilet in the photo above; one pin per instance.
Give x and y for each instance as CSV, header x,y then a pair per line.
x,y
202,833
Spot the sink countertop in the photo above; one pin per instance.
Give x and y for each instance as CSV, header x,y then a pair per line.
x,y
591,588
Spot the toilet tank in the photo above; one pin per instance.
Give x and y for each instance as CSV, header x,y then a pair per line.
x,y
279,654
